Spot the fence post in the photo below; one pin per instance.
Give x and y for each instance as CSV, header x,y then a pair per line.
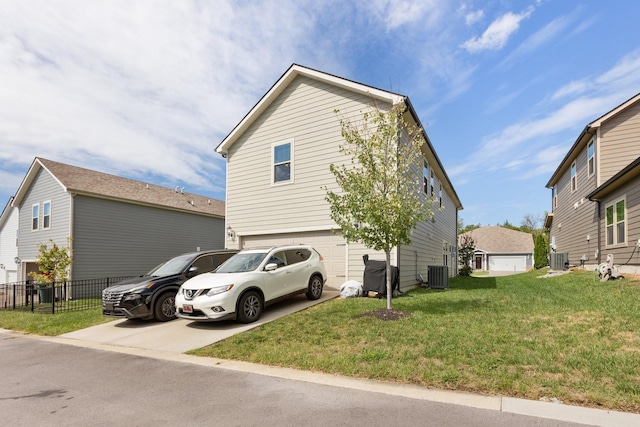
x,y
53,297
33,287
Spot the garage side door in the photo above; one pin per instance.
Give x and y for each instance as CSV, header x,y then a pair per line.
x,y
331,246
507,263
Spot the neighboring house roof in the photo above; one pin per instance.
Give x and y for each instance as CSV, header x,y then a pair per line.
x,y
630,172
586,135
297,70
500,240
74,179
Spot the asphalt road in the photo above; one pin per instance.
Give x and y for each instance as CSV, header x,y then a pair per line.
x,y
49,383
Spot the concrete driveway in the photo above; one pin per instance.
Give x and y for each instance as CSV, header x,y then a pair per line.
x,y
181,335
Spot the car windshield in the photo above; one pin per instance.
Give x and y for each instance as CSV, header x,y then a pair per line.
x,y
242,262
173,266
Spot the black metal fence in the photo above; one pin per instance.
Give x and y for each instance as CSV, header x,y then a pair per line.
x,y
55,297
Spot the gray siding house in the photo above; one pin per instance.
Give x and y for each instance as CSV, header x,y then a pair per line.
x,y
596,192
501,249
294,126
116,226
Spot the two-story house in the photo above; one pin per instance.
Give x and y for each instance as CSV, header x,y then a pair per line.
x,y
595,192
278,160
115,226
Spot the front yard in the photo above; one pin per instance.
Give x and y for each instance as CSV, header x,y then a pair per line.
x,y
569,337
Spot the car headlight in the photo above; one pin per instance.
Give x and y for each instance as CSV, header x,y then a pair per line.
x,y
218,290
131,297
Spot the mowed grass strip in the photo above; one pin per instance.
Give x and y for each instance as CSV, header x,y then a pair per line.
x,y
570,337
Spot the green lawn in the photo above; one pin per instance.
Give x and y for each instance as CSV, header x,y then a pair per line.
x,y
570,337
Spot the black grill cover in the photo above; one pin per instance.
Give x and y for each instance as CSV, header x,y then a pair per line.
x,y
375,276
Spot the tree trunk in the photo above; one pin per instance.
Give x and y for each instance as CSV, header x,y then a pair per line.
x,y
389,290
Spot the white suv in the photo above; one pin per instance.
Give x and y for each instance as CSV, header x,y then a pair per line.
x,y
250,280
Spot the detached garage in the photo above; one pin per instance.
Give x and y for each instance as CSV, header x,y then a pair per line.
x,y
501,249
516,263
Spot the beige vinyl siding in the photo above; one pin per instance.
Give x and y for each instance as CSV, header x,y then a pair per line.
x,y
304,112
621,254
427,243
571,225
619,139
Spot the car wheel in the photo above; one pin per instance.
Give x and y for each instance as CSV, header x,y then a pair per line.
x,y
314,290
249,307
165,307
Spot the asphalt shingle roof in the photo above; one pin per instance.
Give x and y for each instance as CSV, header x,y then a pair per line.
x,y
99,184
500,240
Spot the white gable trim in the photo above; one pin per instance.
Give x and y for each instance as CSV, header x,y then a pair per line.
x,y
294,71
28,180
598,122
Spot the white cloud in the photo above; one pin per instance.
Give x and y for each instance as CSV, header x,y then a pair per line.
x,y
396,13
549,33
136,87
473,17
497,34
526,144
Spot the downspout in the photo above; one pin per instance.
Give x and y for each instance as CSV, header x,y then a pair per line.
x,y
598,204
71,217
594,132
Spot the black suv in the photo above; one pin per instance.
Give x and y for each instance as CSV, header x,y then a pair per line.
x,y
152,296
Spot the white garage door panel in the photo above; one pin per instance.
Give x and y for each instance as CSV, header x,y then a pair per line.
x,y
329,245
508,263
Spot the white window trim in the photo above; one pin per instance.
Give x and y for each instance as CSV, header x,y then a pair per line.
x,y
554,202
291,162
615,224
571,176
591,143
43,214
32,217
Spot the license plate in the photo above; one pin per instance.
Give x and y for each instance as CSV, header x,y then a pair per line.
x,y
187,308
108,306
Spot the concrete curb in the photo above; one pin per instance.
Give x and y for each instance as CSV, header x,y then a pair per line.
x,y
539,409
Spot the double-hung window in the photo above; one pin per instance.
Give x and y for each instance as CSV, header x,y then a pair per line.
x,y
574,177
46,215
554,197
35,217
282,167
615,217
432,182
591,157
425,173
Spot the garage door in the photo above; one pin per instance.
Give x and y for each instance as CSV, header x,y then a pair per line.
x,y
508,263
331,246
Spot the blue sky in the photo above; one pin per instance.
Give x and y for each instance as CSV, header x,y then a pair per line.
x,y
148,89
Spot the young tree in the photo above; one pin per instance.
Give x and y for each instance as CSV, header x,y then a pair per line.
x,y
381,199
465,254
540,251
53,263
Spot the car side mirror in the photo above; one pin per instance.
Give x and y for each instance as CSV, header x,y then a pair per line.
x,y
193,271
271,267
